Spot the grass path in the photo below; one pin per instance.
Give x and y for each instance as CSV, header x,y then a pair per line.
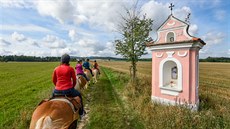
x,y
107,109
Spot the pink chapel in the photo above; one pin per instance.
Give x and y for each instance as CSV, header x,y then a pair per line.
x,y
175,64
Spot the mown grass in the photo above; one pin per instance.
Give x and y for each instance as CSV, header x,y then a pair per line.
x,y
214,99
107,108
22,87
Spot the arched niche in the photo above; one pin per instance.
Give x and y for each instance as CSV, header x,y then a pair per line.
x,y
170,75
170,37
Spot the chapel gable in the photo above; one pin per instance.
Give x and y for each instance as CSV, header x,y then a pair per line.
x,y
173,30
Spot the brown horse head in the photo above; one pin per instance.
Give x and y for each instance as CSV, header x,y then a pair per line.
x,y
81,83
55,114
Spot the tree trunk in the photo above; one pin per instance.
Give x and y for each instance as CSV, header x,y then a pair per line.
x,y
133,71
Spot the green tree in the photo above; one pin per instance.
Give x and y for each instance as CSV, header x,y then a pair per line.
x,y
134,32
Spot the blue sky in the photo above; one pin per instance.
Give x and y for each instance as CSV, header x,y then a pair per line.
x,y
88,27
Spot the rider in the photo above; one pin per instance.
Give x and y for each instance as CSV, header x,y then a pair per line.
x,y
79,69
86,65
64,79
96,66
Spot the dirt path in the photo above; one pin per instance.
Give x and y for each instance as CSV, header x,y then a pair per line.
x,y
81,123
105,109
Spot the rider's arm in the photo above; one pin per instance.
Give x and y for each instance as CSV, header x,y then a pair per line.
x,y
73,75
54,78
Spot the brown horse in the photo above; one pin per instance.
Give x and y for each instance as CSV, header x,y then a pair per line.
x,y
56,114
81,83
96,74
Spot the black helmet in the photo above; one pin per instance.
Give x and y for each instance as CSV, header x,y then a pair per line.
x,y
79,60
95,61
65,59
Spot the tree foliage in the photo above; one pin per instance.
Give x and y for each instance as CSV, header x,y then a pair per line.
x,y
135,33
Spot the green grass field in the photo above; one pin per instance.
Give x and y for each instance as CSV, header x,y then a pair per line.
x,y
214,92
24,85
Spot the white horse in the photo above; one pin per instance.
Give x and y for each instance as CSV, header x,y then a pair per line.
x,y
88,75
96,75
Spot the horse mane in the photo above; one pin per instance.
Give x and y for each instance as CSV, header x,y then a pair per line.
x,y
46,122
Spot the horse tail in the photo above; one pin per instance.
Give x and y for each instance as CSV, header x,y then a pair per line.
x,y
44,122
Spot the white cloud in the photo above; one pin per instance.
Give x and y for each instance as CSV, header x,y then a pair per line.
x,y
61,10
193,29
57,44
78,19
182,13
16,3
156,11
53,42
50,38
18,37
103,13
213,38
88,24
34,43
29,27
109,51
92,45
3,42
4,52
72,34
159,12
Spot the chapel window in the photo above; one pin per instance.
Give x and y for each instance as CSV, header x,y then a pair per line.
x,y
170,37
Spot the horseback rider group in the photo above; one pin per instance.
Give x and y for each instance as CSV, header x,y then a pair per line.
x,y
64,78
66,103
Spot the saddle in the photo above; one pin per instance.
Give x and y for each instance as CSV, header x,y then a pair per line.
x,y
73,103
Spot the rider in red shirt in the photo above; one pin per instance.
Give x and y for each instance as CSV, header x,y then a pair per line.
x,y
64,79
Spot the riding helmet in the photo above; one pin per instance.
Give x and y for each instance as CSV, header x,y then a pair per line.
x,y
65,58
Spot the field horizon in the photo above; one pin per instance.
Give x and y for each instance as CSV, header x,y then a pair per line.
x,y
25,84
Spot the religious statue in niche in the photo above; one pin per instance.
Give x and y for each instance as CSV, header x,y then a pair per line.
x,y
174,73
171,39
173,81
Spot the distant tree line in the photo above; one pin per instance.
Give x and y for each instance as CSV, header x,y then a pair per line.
x,y
216,59
23,58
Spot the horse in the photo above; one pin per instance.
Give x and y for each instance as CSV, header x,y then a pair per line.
x,y
88,75
57,113
96,74
81,83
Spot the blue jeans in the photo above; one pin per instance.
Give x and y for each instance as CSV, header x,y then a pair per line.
x,y
70,92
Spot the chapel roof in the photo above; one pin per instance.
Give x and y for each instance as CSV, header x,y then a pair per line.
x,y
194,40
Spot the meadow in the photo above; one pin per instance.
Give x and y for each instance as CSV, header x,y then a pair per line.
x,y
214,93
24,85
